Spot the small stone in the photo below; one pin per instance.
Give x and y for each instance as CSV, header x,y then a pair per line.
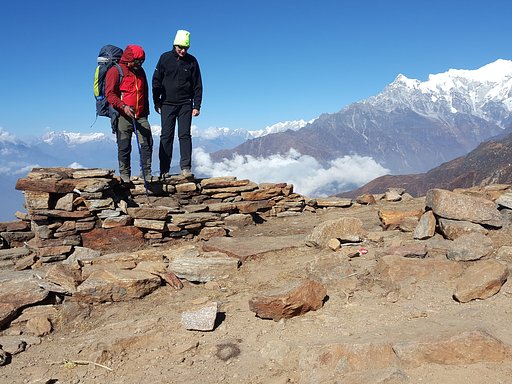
x,y
202,319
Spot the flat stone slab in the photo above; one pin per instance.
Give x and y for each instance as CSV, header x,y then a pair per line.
x,y
244,248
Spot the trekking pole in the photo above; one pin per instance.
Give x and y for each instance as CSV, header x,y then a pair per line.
x,y
134,121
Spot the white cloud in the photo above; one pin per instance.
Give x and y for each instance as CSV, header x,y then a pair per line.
x,y
6,136
13,169
75,165
307,175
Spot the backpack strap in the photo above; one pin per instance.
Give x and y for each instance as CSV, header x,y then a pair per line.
x,y
121,74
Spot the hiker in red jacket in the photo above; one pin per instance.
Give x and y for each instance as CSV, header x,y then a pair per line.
x,y
130,99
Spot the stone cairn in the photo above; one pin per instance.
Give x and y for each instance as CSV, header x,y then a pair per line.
x,y
68,208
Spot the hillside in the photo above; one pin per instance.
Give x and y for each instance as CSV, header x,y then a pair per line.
x,y
309,291
489,163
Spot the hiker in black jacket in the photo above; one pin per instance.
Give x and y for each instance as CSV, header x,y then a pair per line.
x,y
177,95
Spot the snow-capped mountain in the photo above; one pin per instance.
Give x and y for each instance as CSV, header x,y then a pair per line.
x,y
411,126
294,125
485,92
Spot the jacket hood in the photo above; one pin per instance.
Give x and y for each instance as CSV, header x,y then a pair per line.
x,y
133,52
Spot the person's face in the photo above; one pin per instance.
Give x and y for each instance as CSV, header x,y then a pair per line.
x,y
180,50
135,64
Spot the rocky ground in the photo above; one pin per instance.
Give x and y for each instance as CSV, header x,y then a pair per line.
x,y
387,317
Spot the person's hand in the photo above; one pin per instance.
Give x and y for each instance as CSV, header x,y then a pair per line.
x,y
129,111
195,112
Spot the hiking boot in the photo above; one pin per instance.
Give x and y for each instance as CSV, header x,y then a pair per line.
x,y
186,172
164,176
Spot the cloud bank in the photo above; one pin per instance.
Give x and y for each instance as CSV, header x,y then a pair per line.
x,y
307,175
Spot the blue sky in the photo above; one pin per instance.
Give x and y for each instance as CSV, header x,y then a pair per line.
x,y
262,61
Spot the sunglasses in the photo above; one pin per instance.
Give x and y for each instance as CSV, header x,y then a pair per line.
x,y
138,62
182,47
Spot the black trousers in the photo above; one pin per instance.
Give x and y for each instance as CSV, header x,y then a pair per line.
x,y
169,114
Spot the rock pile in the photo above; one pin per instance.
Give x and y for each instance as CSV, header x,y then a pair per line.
x,y
69,208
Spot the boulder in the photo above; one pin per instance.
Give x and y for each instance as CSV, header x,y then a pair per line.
x,y
294,299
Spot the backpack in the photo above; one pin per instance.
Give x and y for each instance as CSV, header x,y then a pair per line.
x,y
108,57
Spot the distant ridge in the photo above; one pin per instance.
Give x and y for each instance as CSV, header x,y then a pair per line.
x,y
489,163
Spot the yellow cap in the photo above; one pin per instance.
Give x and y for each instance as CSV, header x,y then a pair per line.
x,y
182,38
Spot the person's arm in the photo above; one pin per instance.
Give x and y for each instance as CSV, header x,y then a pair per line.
x,y
157,86
112,92
198,88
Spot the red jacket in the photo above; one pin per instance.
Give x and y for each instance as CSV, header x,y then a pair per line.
x,y
133,90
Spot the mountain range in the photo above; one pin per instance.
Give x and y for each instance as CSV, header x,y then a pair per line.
x,y
411,126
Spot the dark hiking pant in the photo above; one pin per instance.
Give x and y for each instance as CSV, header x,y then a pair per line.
x,y
124,144
171,113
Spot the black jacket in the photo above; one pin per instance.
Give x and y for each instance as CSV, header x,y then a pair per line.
x,y
177,80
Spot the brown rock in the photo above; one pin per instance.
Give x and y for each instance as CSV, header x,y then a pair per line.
x,y
186,187
36,200
17,239
171,279
345,229
39,326
156,213
239,220
246,207
261,194
481,280
91,185
17,290
185,219
426,227
115,222
203,267
75,215
156,225
452,229
116,285
333,202
222,182
292,300
92,173
208,233
391,219
326,363
457,206
120,239
248,247
366,199
65,202
14,225
66,275
409,250
471,246
396,270
221,207
465,348
45,185
54,251
99,204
